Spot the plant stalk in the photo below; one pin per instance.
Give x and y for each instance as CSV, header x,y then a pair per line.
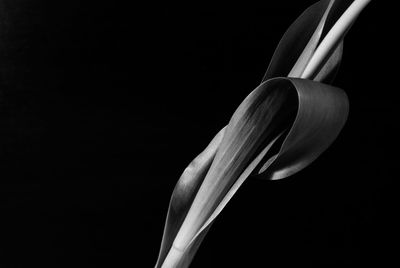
x,y
334,36
173,258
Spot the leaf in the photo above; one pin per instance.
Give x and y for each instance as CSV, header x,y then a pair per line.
x,y
261,117
300,42
329,70
321,111
301,38
309,49
321,115
279,129
184,193
313,115
333,38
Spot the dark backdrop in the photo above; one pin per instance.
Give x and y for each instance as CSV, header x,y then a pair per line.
x,y
103,104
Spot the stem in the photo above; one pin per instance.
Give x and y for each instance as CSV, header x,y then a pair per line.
x,y
334,36
174,258
308,51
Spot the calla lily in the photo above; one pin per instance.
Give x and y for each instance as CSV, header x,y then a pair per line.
x,y
280,128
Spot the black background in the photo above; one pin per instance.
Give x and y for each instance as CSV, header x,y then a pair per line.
x,y
103,104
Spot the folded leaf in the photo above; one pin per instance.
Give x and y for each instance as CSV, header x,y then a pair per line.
x,y
312,112
321,115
